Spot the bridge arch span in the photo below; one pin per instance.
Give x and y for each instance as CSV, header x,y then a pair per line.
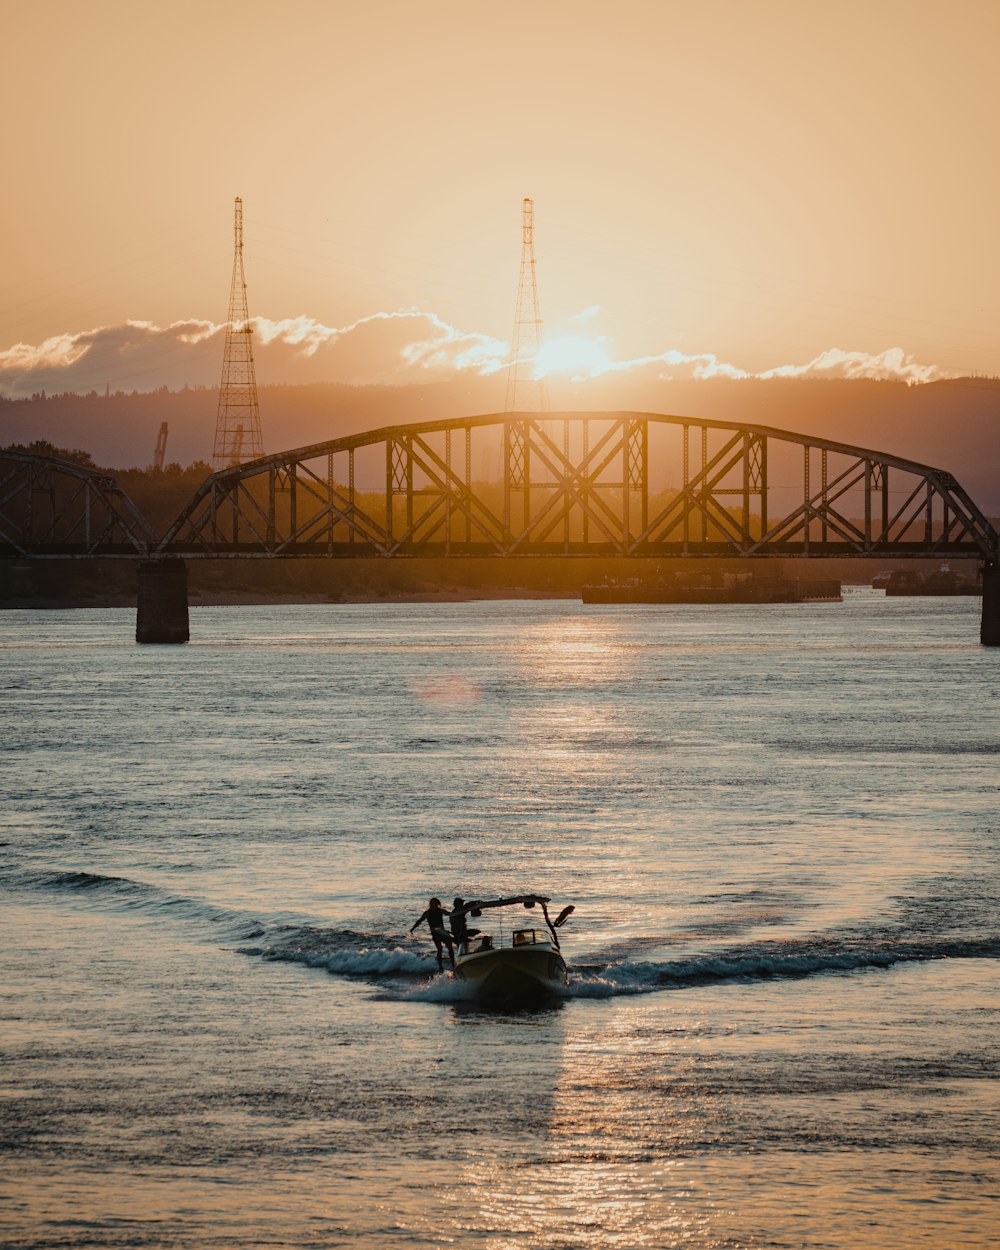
x,y
57,509
623,484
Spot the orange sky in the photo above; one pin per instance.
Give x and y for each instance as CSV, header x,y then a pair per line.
x,y
759,181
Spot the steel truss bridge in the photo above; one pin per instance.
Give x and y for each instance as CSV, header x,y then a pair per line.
x,y
556,484
62,510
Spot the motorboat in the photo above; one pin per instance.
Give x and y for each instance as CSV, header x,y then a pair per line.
x,y
517,959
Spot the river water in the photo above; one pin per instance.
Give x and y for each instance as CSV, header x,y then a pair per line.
x,y
779,826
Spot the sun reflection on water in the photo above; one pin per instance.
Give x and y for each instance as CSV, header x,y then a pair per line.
x,y
592,1167
584,650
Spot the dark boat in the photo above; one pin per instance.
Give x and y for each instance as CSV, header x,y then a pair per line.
x,y
912,582
526,962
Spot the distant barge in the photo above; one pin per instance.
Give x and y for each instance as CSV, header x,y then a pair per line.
x,y
730,588
912,582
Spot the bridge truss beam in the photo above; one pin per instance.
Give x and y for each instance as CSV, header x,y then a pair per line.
x,y
628,485
57,509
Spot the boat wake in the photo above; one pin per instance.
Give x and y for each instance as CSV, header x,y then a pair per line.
x,y
398,967
403,973
766,962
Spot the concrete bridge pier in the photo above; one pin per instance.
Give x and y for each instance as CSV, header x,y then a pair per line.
x,y
989,629
162,603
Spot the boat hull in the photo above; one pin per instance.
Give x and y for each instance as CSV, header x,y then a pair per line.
x,y
514,973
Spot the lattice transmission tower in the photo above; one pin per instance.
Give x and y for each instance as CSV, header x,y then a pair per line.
x,y
237,426
525,392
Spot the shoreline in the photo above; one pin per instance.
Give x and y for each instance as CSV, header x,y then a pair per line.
x,y
250,599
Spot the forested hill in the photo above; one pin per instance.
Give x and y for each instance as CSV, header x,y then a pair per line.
x,y
953,424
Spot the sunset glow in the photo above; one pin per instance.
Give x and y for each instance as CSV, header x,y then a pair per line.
x,y
574,355
695,238
499,607
405,346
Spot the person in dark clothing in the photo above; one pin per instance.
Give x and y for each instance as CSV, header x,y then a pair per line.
x,y
460,931
434,915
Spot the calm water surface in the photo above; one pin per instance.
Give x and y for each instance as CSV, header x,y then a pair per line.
x,y
780,830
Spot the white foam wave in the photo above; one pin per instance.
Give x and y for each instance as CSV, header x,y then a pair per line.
x,y
366,962
630,977
603,987
444,988
384,957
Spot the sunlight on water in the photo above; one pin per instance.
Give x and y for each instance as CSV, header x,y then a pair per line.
x,y
779,831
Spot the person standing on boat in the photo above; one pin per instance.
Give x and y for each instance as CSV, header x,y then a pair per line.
x,y
434,915
460,931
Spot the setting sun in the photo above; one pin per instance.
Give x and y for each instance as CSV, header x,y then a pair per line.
x,y
574,355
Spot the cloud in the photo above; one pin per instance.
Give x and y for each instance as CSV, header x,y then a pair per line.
x,y
669,363
892,364
134,356
390,348
385,347
384,344
587,314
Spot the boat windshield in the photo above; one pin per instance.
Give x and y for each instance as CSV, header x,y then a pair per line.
x,y
520,937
